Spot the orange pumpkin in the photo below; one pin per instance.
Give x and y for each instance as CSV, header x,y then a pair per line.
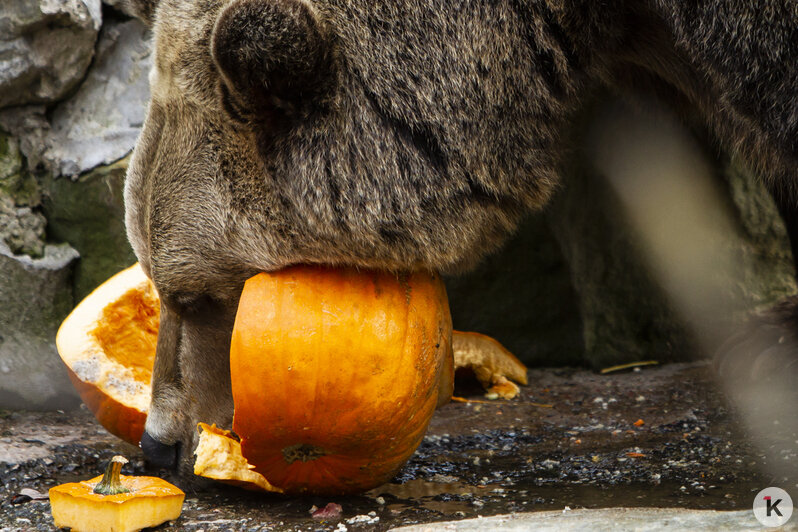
x,y
115,502
336,374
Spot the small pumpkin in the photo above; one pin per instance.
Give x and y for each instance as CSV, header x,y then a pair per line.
x,y
114,502
336,373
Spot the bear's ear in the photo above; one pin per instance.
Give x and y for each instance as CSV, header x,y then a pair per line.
x,y
142,9
274,56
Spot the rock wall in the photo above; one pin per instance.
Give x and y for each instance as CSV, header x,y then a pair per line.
x,y
73,91
571,288
576,286
46,47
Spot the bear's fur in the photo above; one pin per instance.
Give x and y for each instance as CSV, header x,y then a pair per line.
x,y
398,135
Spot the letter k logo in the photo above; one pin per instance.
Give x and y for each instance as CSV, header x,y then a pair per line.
x,y
772,506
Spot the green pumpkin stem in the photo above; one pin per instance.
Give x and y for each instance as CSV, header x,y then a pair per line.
x,y
110,483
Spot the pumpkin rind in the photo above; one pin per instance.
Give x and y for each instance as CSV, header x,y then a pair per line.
x,y
117,418
336,374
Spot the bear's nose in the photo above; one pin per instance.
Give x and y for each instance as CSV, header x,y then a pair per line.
x,y
157,453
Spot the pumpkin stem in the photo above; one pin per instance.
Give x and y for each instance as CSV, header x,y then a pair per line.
x,y
110,483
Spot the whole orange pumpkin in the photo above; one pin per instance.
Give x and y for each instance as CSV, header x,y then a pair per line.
x,y
336,373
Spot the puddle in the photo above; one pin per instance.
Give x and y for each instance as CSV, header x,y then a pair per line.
x,y
418,488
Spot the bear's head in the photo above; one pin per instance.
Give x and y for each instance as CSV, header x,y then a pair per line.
x,y
280,131
395,135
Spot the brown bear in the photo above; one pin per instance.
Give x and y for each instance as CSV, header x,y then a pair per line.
x,y
399,135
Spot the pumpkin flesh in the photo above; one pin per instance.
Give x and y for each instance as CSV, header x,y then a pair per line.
x,y
218,456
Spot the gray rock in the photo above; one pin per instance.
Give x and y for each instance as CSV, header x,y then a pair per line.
x,y
15,182
625,315
21,229
606,520
10,158
761,242
36,297
89,214
101,122
45,48
727,261
28,125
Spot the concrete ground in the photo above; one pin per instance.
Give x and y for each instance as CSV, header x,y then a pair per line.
x,y
605,520
647,450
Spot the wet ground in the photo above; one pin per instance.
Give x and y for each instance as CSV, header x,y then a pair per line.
x,y
658,437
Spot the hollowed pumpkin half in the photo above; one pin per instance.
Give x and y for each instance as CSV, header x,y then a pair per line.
x,y
108,346
336,374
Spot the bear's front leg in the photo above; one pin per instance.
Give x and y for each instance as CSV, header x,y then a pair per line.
x,y
190,382
160,439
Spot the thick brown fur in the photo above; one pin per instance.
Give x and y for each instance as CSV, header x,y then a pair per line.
x,y
398,135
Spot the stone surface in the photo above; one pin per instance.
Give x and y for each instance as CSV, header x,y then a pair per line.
x,y
101,122
21,228
89,214
28,125
606,520
45,48
761,242
10,159
626,315
15,181
36,297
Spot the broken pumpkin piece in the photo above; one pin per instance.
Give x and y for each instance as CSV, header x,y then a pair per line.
x,y
114,502
108,346
504,388
218,457
493,365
